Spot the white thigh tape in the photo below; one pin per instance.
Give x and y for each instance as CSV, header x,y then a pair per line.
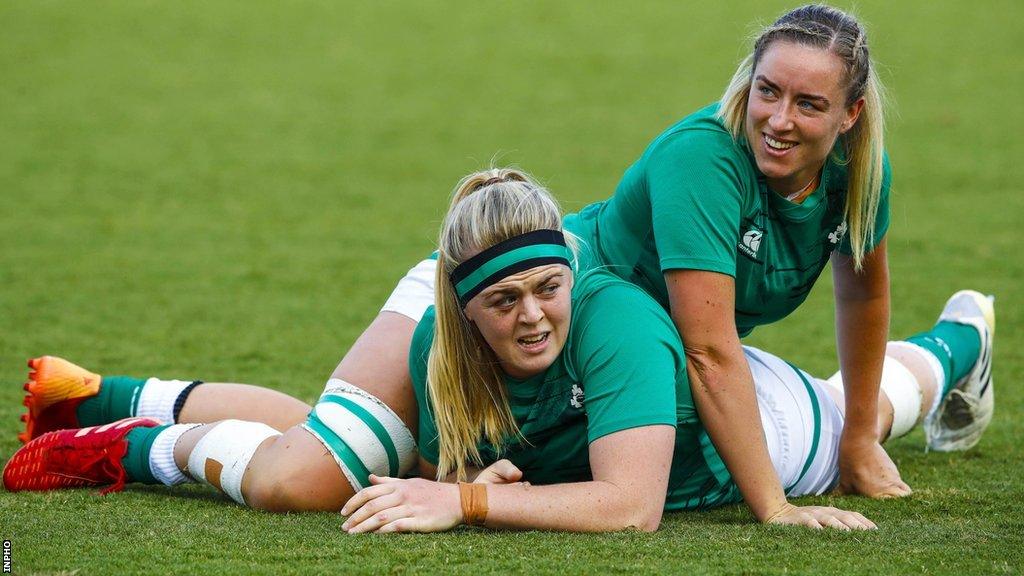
x,y
222,455
903,391
414,292
362,433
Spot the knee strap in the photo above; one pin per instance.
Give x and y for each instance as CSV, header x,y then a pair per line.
x,y
222,455
903,391
362,433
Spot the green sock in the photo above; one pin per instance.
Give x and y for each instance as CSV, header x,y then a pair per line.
x,y
957,346
118,398
136,460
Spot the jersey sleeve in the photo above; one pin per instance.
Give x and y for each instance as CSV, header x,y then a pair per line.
x,y
695,185
419,351
627,357
881,217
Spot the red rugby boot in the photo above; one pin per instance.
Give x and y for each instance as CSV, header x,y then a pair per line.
x,y
55,389
73,458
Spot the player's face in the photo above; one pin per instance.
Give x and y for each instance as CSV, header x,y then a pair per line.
x,y
524,318
796,110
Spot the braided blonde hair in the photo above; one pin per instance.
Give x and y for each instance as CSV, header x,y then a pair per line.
x,y
833,30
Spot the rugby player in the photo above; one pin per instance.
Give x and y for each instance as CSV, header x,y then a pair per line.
x,y
574,382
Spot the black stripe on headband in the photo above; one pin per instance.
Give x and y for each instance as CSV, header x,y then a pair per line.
x,y
539,238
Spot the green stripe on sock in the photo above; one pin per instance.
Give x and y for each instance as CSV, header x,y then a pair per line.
x,y
117,399
956,346
136,461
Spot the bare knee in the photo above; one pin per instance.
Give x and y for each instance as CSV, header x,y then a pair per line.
x,y
287,491
295,474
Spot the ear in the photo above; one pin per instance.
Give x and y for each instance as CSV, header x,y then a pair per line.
x,y
852,114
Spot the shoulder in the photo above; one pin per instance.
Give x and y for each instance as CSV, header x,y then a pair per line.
x,y
607,309
419,348
597,289
700,134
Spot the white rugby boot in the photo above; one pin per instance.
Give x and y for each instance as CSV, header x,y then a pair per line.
x,y
963,415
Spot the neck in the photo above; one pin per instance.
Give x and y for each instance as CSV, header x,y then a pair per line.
x,y
803,192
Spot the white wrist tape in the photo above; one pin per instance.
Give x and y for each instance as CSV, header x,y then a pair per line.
x,y
903,391
222,455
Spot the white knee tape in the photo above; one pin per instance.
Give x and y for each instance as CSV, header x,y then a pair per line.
x,y
362,433
903,391
414,292
222,455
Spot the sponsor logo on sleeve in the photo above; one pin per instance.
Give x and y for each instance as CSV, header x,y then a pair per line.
x,y
751,242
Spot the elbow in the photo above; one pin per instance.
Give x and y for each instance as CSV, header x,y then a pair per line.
x,y
650,523
708,366
642,516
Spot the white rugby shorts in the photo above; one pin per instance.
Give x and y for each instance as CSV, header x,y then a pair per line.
x,y
802,424
415,291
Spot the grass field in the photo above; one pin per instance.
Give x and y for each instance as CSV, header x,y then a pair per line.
x,y
227,191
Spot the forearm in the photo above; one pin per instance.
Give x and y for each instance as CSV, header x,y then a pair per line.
x,y
862,327
595,506
723,391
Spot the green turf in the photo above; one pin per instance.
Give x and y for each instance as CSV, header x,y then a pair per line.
x,y
227,192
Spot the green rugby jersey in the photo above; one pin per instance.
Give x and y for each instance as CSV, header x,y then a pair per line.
x,y
696,200
622,367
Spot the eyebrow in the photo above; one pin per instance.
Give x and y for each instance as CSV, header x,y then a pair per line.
x,y
503,291
774,86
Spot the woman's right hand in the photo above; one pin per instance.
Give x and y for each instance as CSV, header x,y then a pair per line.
x,y
818,517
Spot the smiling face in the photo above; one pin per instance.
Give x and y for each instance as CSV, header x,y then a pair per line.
x,y
524,318
796,110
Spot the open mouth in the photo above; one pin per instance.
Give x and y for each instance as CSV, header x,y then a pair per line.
x,y
779,145
533,342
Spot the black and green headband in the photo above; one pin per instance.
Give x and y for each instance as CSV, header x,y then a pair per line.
x,y
537,248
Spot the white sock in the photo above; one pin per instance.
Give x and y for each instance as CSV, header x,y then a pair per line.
x,y
158,397
161,455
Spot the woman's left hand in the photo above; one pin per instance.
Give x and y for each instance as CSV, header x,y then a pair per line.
x,y
403,505
865,468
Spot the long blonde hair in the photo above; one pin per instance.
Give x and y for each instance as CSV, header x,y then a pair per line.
x,y
464,381
829,29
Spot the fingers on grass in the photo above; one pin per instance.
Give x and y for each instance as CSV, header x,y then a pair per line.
x,y
380,519
862,522
400,525
370,508
364,496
